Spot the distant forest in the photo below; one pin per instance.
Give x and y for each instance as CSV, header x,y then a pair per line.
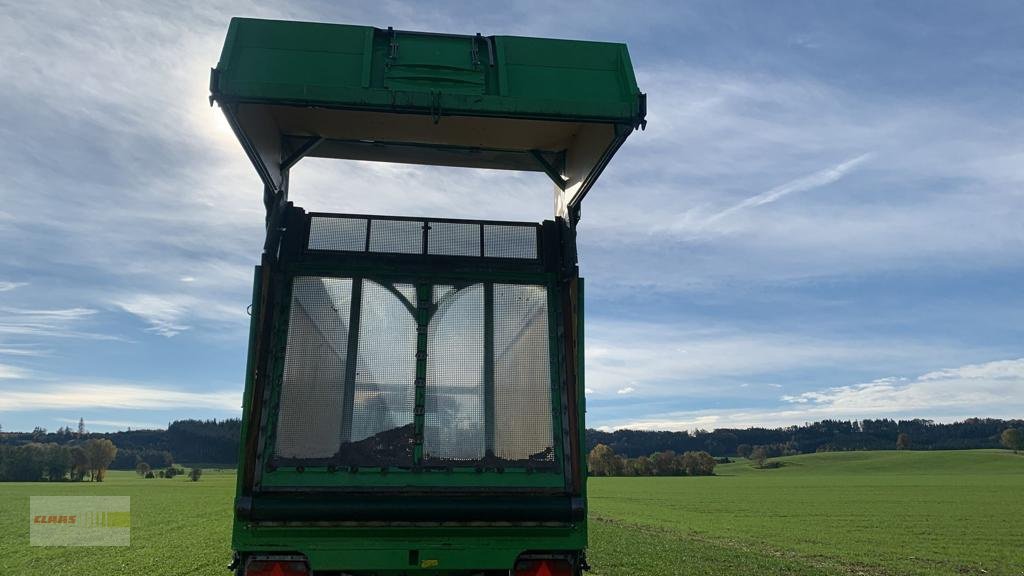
x,y
216,441
188,441
824,436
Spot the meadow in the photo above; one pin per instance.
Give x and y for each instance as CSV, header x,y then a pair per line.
x,y
852,513
858,513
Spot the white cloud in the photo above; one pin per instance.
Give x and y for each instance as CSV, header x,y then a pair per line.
x,y
626,390
992,389
91,395
10,372
8,286
993,385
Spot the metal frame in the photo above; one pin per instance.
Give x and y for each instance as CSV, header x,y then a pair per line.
x,y
295,258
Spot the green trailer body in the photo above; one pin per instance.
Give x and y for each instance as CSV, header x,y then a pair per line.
x,y
414,387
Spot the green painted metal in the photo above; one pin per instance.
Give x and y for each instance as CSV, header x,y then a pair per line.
x,y
340,65
424,297
561,107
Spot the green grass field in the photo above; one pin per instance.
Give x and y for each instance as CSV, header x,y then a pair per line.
x,y
871,513
178,527
860,513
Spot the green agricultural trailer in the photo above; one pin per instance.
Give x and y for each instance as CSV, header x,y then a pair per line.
x,y
414,389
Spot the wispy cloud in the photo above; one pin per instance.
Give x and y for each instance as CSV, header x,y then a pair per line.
x,y
164,314
168,314
48,323
91,424
35,352
803,184
649,359
10,372
91,395
676,206
6,286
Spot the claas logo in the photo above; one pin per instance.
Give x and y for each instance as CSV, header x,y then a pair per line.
x,y
90,520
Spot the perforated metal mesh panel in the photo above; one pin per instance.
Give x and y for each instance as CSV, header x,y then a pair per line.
x,y
505,241
522,386
454,417
343,234
454,239
396,236
310,412
386,374
402,236
350,399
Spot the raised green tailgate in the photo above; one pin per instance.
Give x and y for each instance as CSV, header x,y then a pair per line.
x,y
356,92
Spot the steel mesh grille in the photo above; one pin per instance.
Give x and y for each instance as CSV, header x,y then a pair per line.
x,y
404,236
396,236
454,411
312,392
386,371
355,407
342,234
510,241
453,239
522,386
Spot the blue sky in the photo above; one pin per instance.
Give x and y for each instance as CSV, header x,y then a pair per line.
x,y
824,217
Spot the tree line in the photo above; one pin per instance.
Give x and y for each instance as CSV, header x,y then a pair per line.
x,y
216,442
194,441
826,435
603,461
54,462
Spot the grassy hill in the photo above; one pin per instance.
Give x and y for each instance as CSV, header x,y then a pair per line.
x,y
872,513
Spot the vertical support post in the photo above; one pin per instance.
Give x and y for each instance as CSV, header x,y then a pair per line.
x,y
424,302
489,397
351,360
581,389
